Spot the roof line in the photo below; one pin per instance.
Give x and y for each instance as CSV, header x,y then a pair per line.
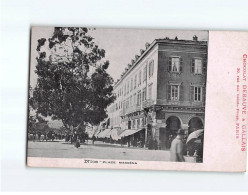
x,y
156,41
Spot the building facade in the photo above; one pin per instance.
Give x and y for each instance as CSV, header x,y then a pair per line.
x,y
162,90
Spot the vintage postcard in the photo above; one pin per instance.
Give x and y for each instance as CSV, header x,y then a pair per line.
x,y
137,99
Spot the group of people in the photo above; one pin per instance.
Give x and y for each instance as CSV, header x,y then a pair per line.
x,y
179,149
44,136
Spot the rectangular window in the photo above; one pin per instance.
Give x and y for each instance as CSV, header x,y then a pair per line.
x,y
128,87
174,92
145,73
150,91
131,87
134,124
139,98
198,66
138,123
135,81
197,94
134,99
131,100
151,68
125,90
144,94
139,82
175,64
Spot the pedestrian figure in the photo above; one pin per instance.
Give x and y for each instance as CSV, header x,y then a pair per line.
x,y
77,143
86,137
93,139
42,137
33,137
128,141
176,150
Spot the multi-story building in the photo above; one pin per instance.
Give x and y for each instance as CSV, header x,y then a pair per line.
x,y
162,90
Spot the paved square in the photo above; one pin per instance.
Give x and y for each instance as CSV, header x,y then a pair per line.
x,y
100,150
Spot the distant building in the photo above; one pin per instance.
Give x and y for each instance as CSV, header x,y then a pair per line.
x,y
162,90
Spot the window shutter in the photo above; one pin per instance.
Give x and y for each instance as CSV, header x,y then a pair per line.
x,y
193,65
169,64
204,66
192,93
204,94
169,92
181,92
181,64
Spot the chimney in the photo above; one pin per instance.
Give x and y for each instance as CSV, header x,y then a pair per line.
x,y
147,45
195,38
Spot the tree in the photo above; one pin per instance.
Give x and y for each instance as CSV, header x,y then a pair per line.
x,y
73,85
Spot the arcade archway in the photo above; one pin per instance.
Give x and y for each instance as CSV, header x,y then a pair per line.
x,y
195,123
166,135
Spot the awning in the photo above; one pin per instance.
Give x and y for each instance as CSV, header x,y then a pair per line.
x,y
129,132
114,134
108,134
103,133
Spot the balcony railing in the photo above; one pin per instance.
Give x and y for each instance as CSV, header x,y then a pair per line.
x,y
180,103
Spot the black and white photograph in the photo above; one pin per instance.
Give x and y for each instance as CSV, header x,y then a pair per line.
x,y
119,94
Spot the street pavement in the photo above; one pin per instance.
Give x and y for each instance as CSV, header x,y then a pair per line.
x,y
100,150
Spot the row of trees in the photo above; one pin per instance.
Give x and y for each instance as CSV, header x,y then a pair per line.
x,y
72,85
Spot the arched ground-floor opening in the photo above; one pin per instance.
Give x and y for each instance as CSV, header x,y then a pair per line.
x,y
138,139
167,134
195,123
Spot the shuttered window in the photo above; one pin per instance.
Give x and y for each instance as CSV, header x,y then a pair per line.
x,y
175,64
138,123
151,68
150,91
139,98
199,66
145,73
197,94
139,82
128,87
174,92
135,81
131,87
144,94
134,99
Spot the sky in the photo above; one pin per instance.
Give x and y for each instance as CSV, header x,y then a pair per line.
x,y
121,45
